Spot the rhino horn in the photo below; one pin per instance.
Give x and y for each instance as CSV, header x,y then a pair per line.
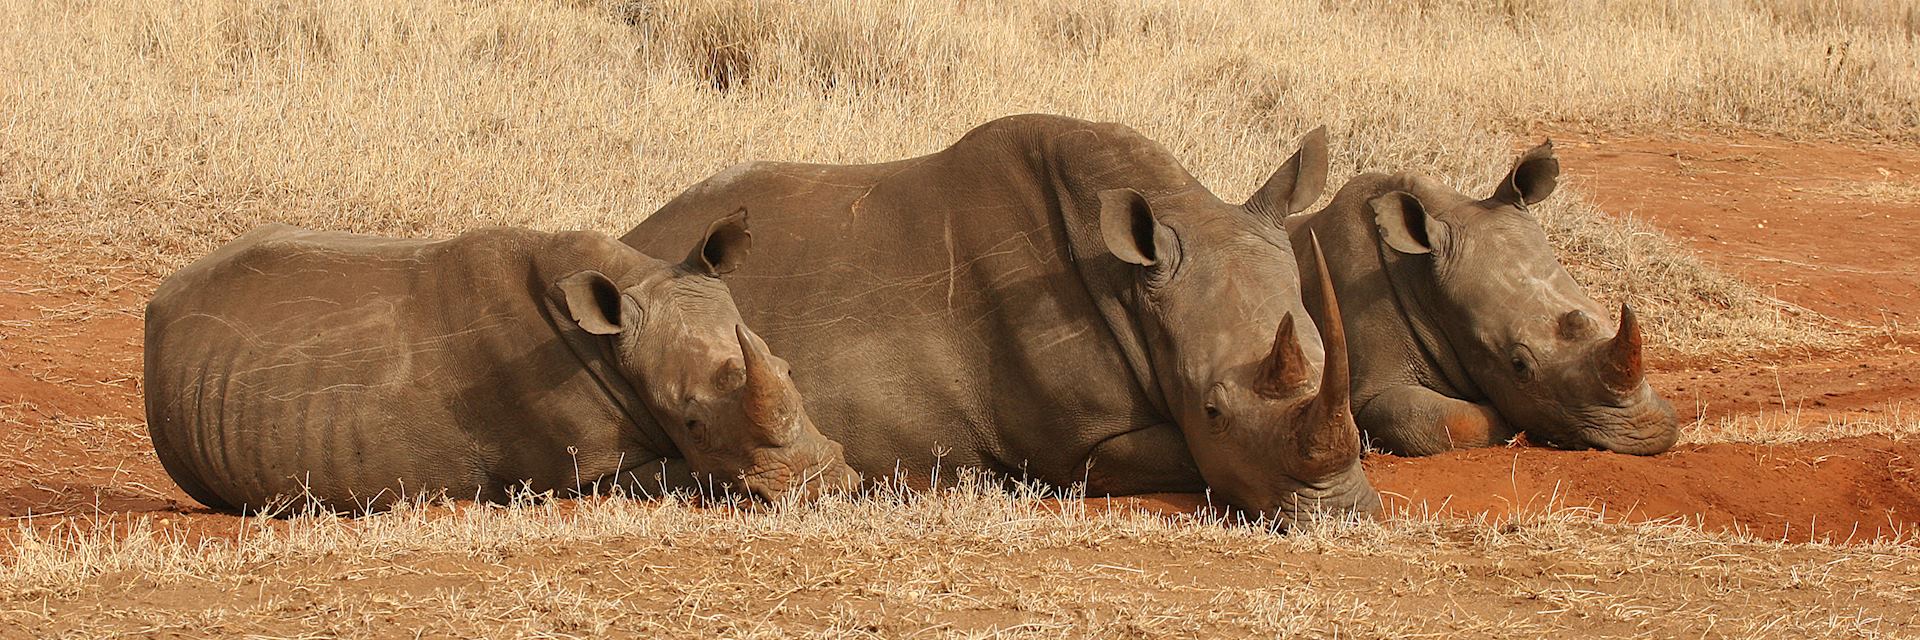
x,y
1285,369
1620,364
1331,440
766,399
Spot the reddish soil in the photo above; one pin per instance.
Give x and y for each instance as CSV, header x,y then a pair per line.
x,y
70,404
1834,228
1850,489
1794,219
1854,488
72,443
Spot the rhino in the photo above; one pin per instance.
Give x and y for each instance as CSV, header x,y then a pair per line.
x,y
1467,330
294,369
1053,300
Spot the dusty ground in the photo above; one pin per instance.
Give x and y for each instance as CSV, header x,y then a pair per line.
x,y
1829,228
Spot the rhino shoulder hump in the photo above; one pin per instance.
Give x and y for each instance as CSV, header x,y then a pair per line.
x,y
732,175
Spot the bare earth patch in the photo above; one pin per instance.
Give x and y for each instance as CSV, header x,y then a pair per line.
x,y
1791,218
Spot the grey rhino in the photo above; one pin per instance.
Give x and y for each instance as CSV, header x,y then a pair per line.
x,y
1466,328
1052,299
294,368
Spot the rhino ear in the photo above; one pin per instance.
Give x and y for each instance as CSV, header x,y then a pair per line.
x,y
1297,183
1127,225
1405,225
594,302
724,247
1533,178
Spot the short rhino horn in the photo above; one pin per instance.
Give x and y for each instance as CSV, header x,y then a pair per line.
x,y
1330,440
766,399
1620,364
1285,369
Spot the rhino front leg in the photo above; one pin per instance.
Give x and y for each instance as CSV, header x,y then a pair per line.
x,y
1416,421
1150,460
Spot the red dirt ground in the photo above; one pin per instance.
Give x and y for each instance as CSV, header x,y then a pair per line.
x,y
72,442
1799,221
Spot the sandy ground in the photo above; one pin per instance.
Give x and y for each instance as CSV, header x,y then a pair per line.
x,y
1823,226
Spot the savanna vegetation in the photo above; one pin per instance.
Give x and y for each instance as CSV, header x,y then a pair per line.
x,y
145,132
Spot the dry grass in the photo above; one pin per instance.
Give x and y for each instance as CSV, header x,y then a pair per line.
x,y
164,128
971,562
1691,308
1879,191
1790,425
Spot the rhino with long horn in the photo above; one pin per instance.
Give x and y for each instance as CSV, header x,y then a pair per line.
x,y
1052,299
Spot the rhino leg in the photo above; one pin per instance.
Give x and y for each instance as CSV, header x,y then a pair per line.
x,y
1150,460
1413,420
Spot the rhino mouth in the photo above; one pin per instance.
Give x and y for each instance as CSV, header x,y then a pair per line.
x,y
780,482
1348,497
1645,428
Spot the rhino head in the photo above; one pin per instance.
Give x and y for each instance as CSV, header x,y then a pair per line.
x,y
1236,370
1523,332
710,382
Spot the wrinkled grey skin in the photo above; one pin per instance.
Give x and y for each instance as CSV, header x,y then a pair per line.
x,y
1466,330
1053,299
295,368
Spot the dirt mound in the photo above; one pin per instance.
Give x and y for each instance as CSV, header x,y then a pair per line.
x,y
1854,488
1851,489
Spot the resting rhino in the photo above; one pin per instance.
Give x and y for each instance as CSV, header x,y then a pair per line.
x,y
1466,328
1053,299
343,371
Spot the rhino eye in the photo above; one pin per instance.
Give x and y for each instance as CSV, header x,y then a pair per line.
x,y
1213,411
1522,362
731,375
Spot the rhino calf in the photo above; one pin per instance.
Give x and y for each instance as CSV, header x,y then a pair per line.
x,y
1466,330
306,368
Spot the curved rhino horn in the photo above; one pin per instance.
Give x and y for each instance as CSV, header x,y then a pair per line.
x,y
1620,366
1284,371
1330,440
766,399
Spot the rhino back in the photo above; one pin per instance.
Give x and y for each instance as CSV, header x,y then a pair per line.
x,y
348,366
929,305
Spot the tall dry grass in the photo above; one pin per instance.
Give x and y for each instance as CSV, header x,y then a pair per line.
x,y
164,128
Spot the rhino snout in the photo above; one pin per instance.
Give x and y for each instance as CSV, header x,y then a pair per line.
x,y
1652,429
1347,496
1301,510
802,474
